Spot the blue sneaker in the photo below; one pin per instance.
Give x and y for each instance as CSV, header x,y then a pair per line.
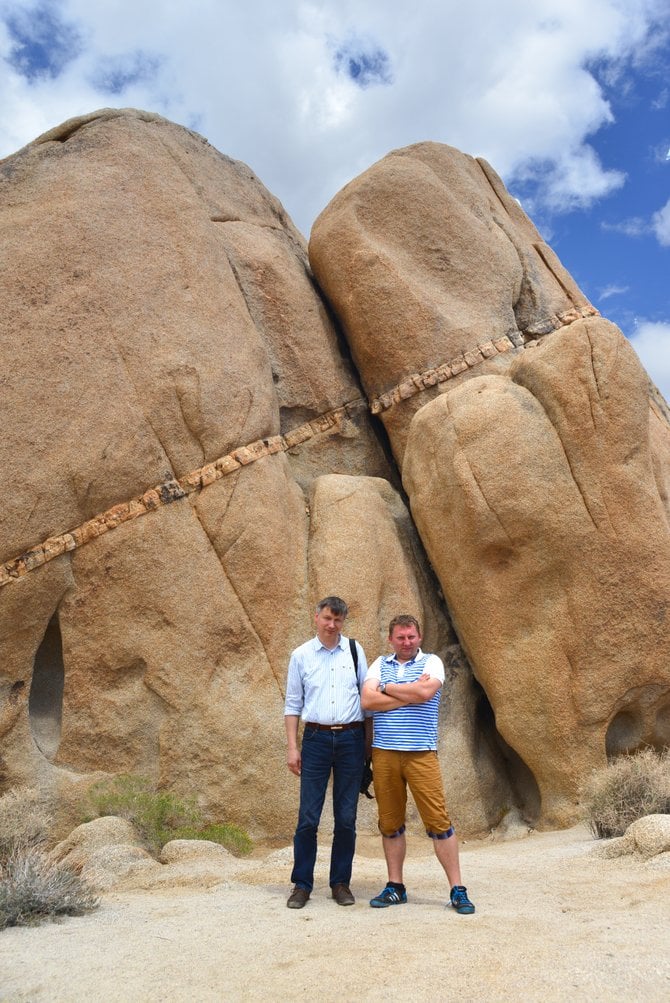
x,y
389,896
460,901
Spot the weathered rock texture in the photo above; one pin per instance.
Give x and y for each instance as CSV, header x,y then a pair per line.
x,y
533,451
433,269
648,837
189,462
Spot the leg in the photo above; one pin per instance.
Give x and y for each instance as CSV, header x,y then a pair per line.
x,y
316,765
425,782
391,794
446,851
395,848
348,763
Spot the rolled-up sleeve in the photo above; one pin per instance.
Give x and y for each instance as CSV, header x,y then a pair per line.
x,y
295,696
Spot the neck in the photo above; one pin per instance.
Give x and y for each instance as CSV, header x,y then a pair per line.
x,y
329,642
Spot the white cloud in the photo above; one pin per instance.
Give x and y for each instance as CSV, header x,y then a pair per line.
x,y
661,224
612,290
503,79
651,341
634,226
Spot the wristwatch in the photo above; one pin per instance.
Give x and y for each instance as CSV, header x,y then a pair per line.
x,y
382,687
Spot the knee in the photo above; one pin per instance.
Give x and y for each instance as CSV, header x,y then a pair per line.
x,y
441,835
392,835
346,819
308,821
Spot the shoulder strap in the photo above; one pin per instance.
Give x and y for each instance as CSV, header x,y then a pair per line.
x,y
354,654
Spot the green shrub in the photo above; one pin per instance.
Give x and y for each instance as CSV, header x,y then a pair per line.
x,y
33,887
627,789
231,836
160,816
155,814
24,820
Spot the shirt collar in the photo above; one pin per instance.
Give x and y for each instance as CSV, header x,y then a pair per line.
x,y
318,644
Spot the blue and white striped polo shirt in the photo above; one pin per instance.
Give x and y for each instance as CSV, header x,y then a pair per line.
x,y
322,685
412,728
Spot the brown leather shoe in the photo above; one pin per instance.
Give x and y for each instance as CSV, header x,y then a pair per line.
x,y
298,898
342,894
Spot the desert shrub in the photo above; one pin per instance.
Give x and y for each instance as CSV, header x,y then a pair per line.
x,y
24,820
33,887
155,814
231,836
160,816
627,789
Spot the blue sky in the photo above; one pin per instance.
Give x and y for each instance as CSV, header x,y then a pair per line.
x,y
569,100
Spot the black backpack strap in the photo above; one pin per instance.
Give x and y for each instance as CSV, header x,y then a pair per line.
x,y
354,655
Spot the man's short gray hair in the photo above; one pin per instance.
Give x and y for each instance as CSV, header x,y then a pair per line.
x,y
335,605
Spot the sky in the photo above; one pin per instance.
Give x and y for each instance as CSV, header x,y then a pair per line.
x,y
569,101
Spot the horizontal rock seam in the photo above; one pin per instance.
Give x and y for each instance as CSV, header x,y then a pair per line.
x,y
418,382
171,491
174,490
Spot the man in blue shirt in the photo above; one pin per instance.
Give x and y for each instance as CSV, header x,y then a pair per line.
x,y
323,689
403,691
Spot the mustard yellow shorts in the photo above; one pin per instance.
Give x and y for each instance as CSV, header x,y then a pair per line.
x,y
393,772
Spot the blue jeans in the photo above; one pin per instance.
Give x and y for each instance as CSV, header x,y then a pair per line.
x,y
343,753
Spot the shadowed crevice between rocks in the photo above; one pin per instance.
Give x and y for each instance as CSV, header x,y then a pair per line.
x,y
45,701
513,770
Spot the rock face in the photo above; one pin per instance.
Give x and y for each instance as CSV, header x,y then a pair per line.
x,y
190,462
533,451
188,466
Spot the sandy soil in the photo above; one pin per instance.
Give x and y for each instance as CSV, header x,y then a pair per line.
x,y
553,921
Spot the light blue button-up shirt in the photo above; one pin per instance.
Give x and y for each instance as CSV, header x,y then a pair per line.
x,y
323,686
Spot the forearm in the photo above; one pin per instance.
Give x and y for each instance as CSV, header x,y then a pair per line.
x,y
373,699
293,756
291,722
417,692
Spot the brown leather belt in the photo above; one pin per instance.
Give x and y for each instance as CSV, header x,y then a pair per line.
x,y
334,727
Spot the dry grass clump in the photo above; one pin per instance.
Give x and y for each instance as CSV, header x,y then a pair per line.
x,y
24,820
628,788
33,887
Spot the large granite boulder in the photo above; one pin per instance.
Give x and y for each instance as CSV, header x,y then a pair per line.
x,y
433,269
189,462
534,453
188,465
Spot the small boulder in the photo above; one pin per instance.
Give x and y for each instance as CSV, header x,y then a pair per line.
x,y
647,837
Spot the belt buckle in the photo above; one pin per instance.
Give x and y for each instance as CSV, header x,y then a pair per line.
x,y
336,727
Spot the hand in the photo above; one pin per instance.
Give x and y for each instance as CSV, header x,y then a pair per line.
x,y
294,762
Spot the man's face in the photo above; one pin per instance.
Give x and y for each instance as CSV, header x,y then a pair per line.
x,y
328,626
405,641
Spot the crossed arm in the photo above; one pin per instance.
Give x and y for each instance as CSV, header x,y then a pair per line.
x,y
399,694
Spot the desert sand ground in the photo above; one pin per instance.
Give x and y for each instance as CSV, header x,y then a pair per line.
x,y
553,922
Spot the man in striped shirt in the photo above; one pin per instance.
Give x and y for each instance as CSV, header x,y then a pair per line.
x,y
403,691
323,688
